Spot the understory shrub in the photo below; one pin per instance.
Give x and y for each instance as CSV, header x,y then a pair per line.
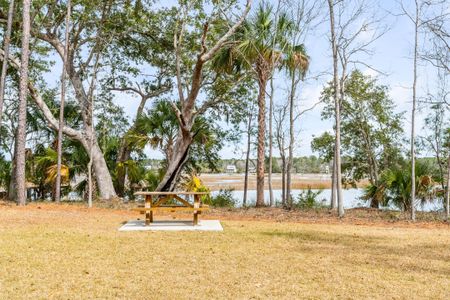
x,y
308,199
223,199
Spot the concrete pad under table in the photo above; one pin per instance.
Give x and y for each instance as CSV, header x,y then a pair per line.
x,y
172,225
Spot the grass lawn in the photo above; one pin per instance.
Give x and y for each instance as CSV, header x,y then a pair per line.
x,y
68,252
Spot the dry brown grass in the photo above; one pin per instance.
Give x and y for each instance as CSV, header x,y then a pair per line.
x,y
299,181
69,252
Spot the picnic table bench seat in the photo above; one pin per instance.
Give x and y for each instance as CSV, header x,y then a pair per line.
x,y
160,204
171,208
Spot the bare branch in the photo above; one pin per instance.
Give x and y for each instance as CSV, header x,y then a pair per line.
x,y
219,44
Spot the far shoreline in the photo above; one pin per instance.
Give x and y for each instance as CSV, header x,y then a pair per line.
x,y
235,181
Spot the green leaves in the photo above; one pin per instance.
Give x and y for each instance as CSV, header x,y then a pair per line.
x,y
266,38
371,131
394,187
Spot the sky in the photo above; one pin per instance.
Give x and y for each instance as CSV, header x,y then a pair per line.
x,y
392,55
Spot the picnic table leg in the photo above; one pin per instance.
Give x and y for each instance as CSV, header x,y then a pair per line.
x,y
148,213
196,205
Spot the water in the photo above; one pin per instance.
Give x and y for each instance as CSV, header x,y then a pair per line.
x,y
351,198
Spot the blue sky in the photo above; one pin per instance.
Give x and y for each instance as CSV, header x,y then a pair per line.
x,y
392,55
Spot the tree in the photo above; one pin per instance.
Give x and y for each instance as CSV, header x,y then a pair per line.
x,y
259,49
247,154
187,112
297,62
271,104
159,129
415,19
337,177
436,131
395,185
270,171
96,27
297,65
57,194
355,26
447,193
45,168
145,93
6,42
280,117
150,48
371,130
436,23
76,71
413,114
20,180
435,126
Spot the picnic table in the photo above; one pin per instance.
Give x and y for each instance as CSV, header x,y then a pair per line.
x,y
157,201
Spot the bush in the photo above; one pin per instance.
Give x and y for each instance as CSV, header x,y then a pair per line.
x,y
308,199
223,199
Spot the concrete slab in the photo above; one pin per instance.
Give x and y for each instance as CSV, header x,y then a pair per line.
x,y
173,225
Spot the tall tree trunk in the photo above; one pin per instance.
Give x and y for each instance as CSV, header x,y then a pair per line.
x,y
91,155
124,154
333,203
262,82
6,42
106,189
176,163
447,193
22,118
57,194
247,159
283,182
125,150
271,199
186,115
100,168
12,192
290,159
101,171
413,116
374,203
336,95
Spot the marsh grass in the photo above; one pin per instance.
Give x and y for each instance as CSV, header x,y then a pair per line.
x,y
73,253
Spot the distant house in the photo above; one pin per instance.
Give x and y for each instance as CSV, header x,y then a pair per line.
x,y
231,169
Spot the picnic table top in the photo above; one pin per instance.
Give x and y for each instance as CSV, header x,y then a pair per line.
x,y
170,193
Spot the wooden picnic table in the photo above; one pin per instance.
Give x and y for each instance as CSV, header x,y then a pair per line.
x,y
156,201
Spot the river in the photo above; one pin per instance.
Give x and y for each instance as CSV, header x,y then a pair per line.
x,y
351,198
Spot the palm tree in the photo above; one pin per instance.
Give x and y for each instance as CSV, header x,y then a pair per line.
x,y
394,186
46,160
258,47
159,129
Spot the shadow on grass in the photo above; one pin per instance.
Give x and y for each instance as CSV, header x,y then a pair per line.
x,y
381,250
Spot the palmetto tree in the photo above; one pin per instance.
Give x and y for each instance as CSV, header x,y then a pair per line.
x,y
395,183
46,162
159,128
261,45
